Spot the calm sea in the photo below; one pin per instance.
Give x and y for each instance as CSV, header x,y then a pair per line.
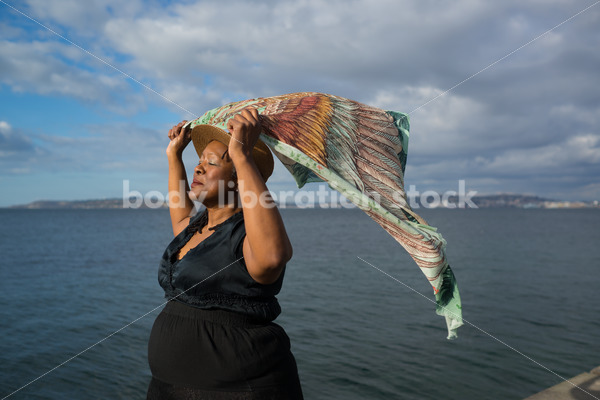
x,y
529,279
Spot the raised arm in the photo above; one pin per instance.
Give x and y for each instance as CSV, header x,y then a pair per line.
x,y
180,205
267,247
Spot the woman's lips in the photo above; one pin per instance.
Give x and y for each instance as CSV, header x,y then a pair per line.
x,y
195,182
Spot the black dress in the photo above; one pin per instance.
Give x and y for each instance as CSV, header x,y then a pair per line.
x,y
215,338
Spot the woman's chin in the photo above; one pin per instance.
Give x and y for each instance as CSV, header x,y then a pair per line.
x,y
196,195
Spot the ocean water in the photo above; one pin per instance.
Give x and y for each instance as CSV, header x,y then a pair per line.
x,y
79,294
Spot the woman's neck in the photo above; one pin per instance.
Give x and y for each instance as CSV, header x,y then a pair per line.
x,y
219,215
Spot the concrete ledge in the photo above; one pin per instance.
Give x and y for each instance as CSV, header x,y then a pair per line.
x,y
588,381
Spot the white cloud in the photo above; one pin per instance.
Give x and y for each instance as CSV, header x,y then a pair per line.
x,y
84,16
38,67
17,151
588,116
552,159
255,45
4,127
441,124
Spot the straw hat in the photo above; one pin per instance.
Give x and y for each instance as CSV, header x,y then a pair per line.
x,y
204,134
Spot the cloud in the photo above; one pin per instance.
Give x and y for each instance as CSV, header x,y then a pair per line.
x,y
16,150
5,127
84,18
108,148
590,191
357,49
122,147
354,49
553,159
438,120
50,69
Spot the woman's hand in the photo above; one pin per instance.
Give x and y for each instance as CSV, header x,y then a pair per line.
x,y
180,138
245,129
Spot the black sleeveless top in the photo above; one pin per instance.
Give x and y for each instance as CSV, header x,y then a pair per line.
x,y
213,274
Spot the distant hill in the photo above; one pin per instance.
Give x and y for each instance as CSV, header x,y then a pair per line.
x,y
509,200
480,201
527,201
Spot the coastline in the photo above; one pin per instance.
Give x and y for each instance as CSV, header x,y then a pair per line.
x,y
481,201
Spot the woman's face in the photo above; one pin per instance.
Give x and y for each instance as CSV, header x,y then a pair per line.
x,y
213,174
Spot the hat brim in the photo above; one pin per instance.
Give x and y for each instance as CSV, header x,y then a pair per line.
x,y
203,134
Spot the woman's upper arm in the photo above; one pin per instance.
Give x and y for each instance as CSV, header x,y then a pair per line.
x,y
262,273
180,226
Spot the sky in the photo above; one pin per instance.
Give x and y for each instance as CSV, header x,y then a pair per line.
x,y
501,95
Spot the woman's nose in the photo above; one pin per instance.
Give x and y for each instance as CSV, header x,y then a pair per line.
x,y
199,168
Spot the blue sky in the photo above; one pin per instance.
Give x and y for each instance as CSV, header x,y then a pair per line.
x,y
72,127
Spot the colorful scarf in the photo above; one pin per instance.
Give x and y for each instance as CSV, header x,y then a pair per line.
x,y
359,151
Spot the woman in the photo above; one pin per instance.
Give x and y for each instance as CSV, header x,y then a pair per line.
x,y
215,338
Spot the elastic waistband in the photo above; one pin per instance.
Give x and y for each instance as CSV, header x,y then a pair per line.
x,y
218,316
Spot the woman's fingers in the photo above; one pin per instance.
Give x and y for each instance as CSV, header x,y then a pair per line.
x,y
244,128
249,114
176,130
247,119
252,113
230,124
179,138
